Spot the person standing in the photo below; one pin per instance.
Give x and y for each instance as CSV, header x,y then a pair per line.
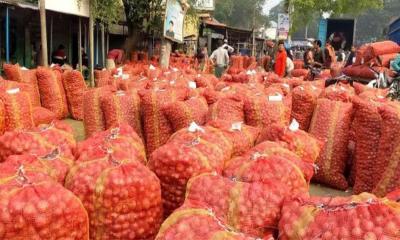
x,y
281,60
220,59
317,52
59,57
270,53
329,56
115,57
226,46
351,57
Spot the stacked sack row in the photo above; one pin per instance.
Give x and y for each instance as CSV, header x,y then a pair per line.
x,y
54,188
376,55
39,96
226,120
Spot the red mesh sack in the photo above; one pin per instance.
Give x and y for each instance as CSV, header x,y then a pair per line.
x,y
300,142
367,125
17,109
42,115
55,164
381,48
360,55
122,107
357,217
341,92
122,141
206,81
15,73
38,141
180,114
387,58
242,136
104,78
23,87
93,118
122,197
272,168
304,101
264,110
2,118
228,108
394,196
156,127
33,206
300,73
298,64
331,125
52,92
387,165
188,154
250,208
194,223
75,88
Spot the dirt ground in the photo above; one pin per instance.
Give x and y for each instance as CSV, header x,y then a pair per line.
x,y
315,190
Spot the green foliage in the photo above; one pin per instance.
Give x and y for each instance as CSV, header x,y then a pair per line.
x,y
241,14
306,10
106,11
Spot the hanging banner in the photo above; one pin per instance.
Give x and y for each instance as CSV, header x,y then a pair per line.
x,y
173,22
205,5
283,26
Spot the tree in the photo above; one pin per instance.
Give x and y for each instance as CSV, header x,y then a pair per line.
x,y
304,11
241,14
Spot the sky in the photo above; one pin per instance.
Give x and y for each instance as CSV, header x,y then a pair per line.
x,y
270,4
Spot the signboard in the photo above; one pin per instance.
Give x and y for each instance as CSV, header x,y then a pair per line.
x,y
323,31
283,26
73,7
173,22
207,5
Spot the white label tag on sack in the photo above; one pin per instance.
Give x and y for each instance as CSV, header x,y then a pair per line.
x,y
225,89
175,69
275,98
342,88
248,72
198,75
172,82
313,87
125,76
301,88
24,68
195,128
152,67
52,65
167,73
294,126
236,126
192,85
120,93
120,71
13,91
286,85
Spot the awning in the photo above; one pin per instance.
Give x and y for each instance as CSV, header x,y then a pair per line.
x,y
213,22
21,4
73,7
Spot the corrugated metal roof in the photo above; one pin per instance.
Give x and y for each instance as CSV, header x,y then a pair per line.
x,y
21,4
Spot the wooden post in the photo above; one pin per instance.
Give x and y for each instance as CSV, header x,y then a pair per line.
x,y
91,46
43,32
80,45
166,48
